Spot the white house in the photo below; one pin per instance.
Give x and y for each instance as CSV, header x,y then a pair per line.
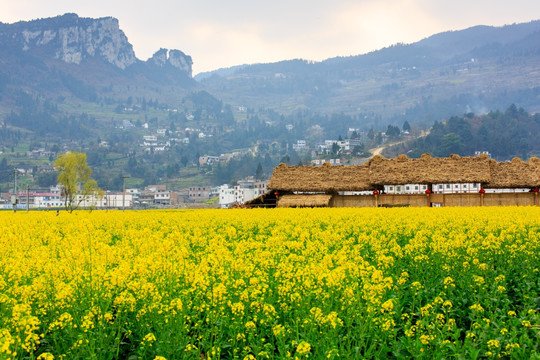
x,y
300,145
245,190
226,196
150,138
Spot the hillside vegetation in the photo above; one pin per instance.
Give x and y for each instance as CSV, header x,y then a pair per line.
x,y
504,135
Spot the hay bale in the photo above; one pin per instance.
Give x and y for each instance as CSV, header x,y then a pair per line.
x,y
318,200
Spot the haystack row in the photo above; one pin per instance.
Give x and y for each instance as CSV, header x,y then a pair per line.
x,y
402,170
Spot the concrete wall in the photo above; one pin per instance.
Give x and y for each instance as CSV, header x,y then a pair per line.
x,y
419,200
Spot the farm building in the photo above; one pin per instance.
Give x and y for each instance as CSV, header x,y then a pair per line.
x,y
330,186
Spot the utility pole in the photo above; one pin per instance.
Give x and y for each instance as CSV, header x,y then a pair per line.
x,y
14,196
106,203
27,198
124,177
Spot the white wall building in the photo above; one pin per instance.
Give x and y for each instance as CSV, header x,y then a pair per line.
x,y
405,189
300,145
244,191
226,196
440,189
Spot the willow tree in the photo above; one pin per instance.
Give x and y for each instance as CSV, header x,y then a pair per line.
x,y
74,177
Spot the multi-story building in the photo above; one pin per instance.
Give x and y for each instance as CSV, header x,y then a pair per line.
x,y
200,193
243,191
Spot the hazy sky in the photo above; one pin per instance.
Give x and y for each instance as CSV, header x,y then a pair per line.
x,y
220,33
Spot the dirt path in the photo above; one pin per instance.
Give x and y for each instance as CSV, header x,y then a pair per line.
x,y
379,150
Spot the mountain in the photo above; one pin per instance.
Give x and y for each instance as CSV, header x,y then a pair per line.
x,y
74,84
83,57
475,69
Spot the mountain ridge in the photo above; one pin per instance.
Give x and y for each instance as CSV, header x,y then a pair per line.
x,y
95,52
487,64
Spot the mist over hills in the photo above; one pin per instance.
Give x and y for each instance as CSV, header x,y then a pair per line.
x,y
472,70
476,69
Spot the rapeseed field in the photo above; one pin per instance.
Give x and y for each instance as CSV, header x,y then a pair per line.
x,y
271,284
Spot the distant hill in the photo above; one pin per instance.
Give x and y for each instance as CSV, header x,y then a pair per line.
x,y
82,57
456,72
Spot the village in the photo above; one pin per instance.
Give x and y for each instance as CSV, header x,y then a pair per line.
x,y
434,182
151,197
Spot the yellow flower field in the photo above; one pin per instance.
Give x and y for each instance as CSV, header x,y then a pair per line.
x,y
271,284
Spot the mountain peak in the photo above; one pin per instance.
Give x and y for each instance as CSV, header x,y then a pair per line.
x,y
72,39
175,58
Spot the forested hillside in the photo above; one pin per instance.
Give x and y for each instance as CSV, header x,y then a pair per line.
x,y
507,134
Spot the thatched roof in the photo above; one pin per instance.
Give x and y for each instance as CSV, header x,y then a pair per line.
x,y
429,170
324,178
318,200
514,174
402,170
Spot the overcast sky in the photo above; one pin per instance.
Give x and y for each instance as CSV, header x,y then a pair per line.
x,y
221,33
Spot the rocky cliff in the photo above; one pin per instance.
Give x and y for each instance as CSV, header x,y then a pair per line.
x,y
73,39
175,58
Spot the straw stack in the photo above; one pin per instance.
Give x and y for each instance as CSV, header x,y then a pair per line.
x,y
514,174
318,200
324,178
428,170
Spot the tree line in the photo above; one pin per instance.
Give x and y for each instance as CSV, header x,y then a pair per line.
x,y
504,135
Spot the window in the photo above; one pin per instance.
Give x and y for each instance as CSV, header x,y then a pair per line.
x,y
407,188
448,186
456,186
399,188
391,188
475,185
416,187
440,186
465,186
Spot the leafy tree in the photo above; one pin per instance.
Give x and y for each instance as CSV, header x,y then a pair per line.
x,y
46,179
74,177
184,160
259,174
379,138
392,131
450,144
371,134
335,148
285,159
358,150
406,126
